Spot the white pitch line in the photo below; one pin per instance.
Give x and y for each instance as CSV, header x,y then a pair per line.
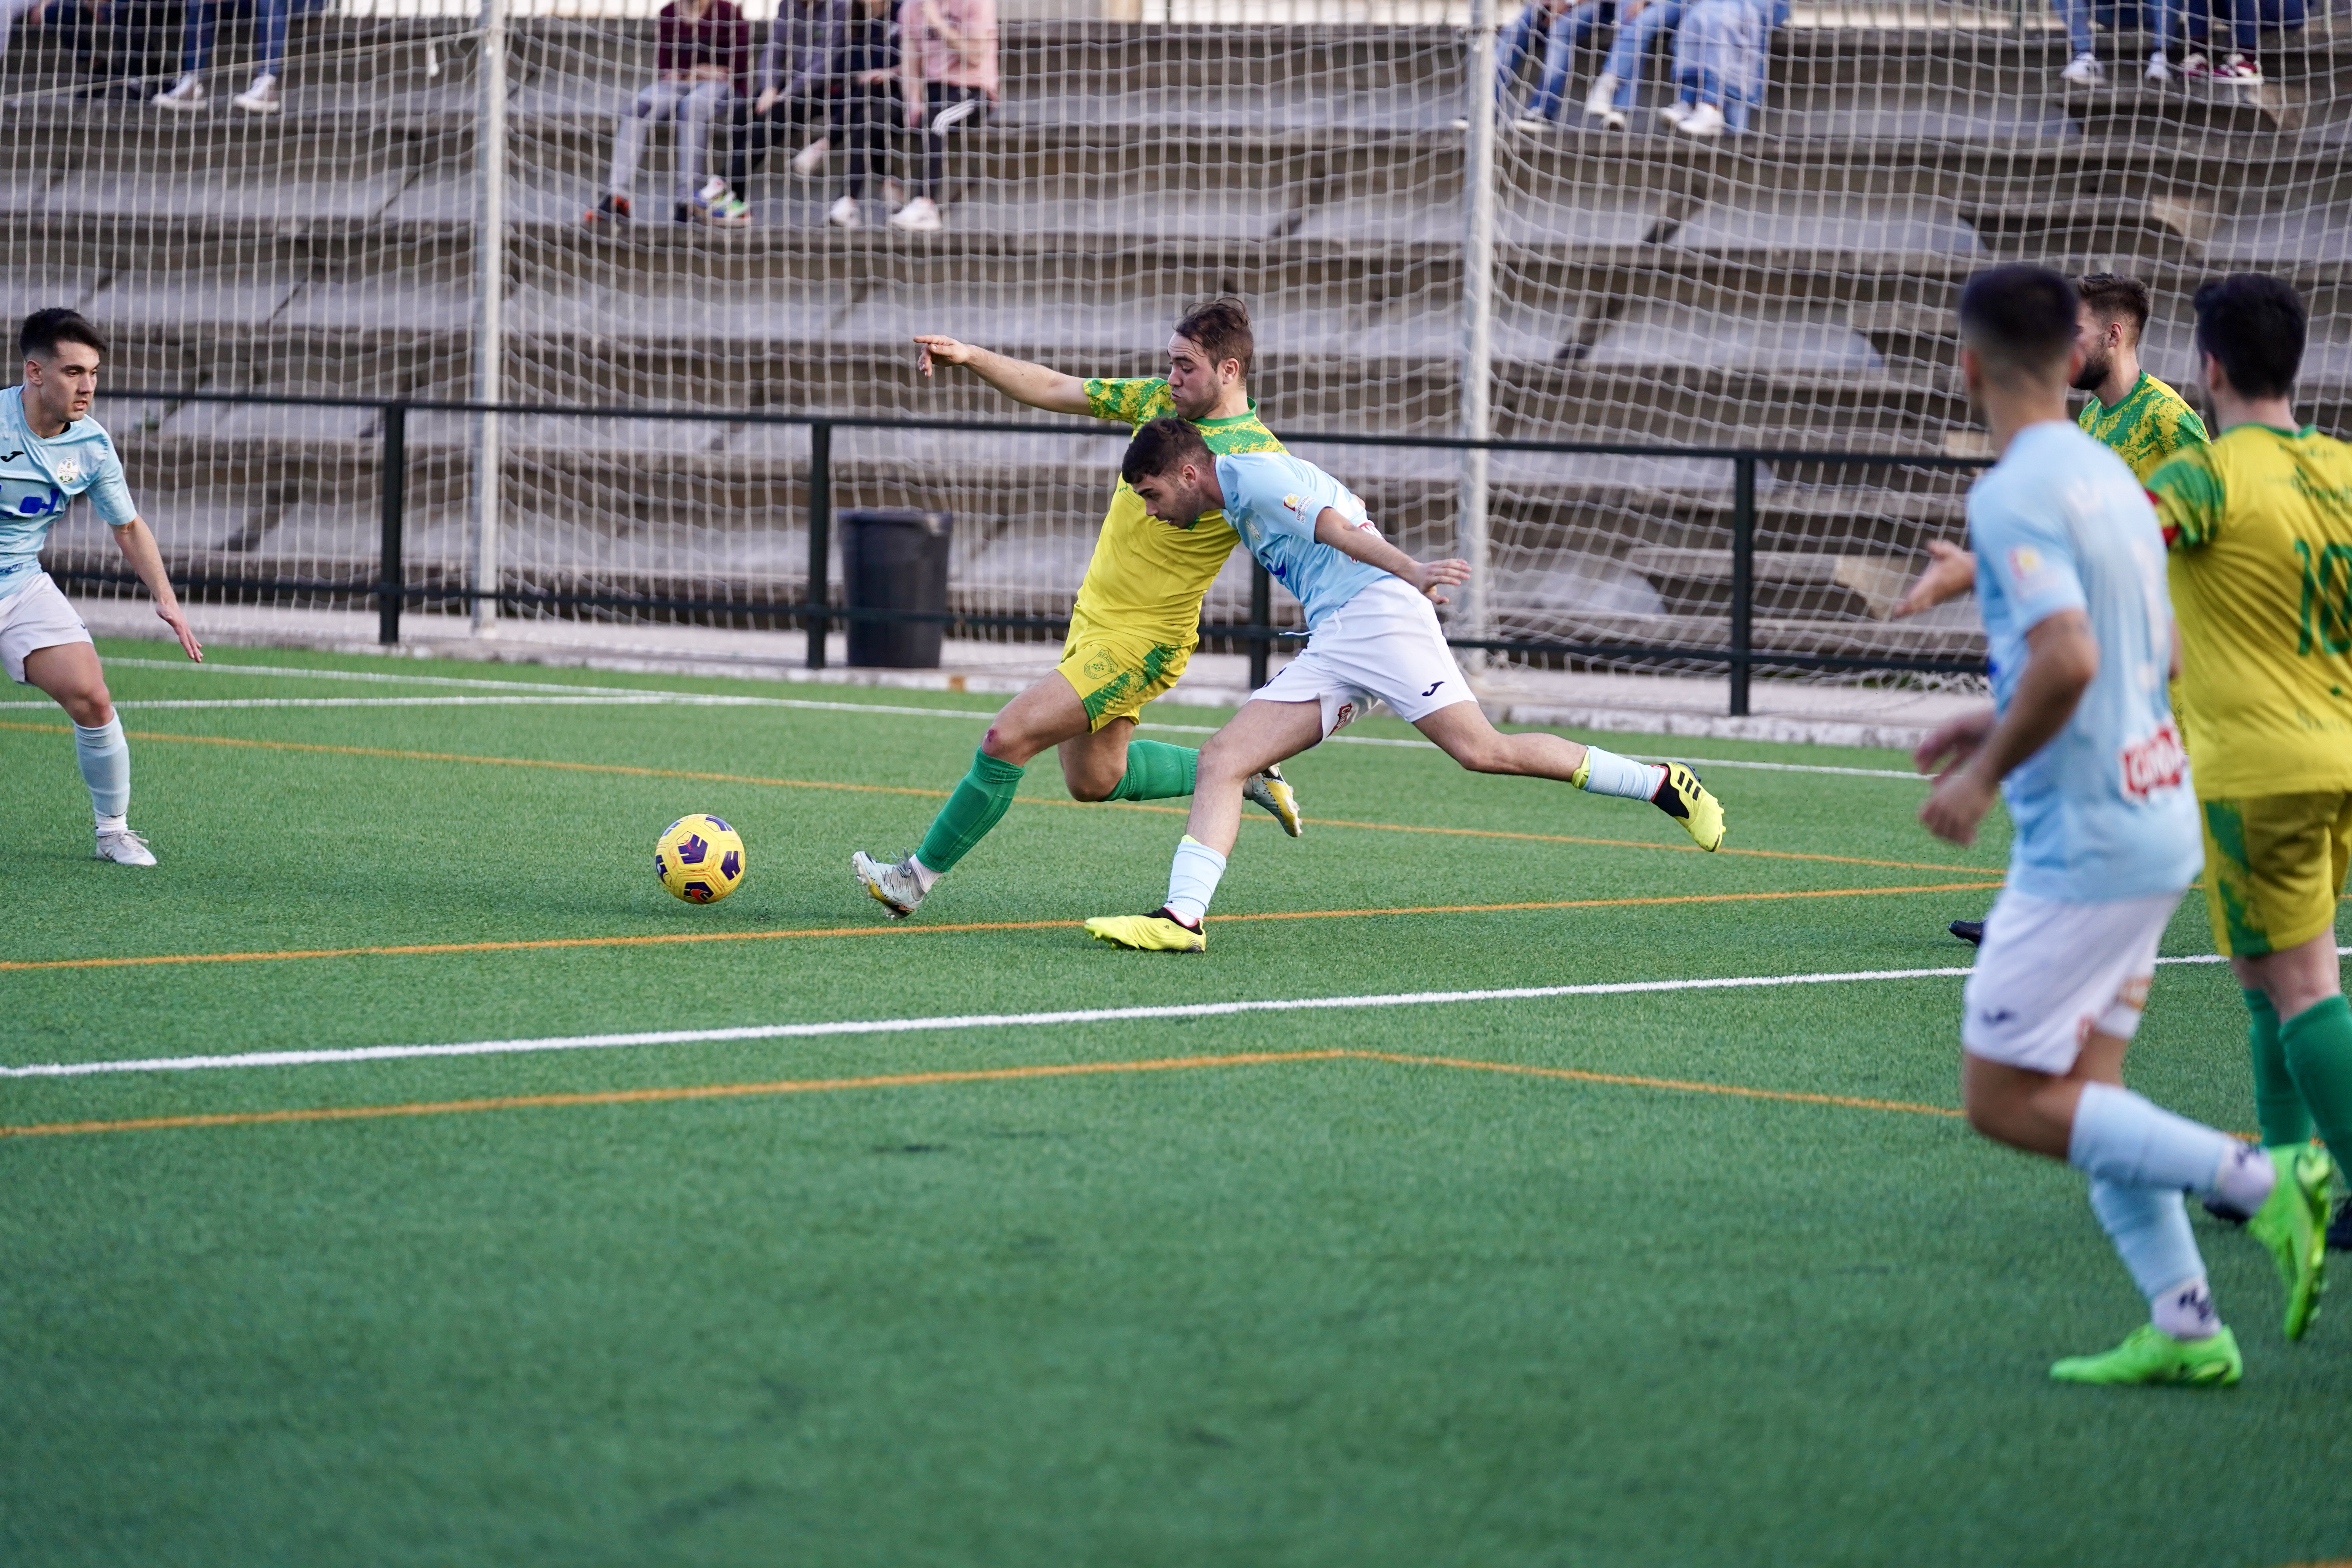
x,y
560,694
970,1021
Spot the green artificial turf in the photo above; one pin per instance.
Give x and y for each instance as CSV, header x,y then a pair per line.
x,y
1345,1310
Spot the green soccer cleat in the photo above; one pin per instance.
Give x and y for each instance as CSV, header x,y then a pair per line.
x,y
1272,791
2292,1222
1686,800
2149,1355
1158,931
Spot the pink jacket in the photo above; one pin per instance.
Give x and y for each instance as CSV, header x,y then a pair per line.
x,y
929,57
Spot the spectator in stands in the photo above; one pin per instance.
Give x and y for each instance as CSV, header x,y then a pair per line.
x,y
10,10
2247,18
1557,27
270,20
703,57
2159,17
1723,56
118,43
865,75
796,93
950,65
1617,88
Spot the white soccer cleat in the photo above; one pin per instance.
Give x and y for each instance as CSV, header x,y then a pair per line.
x,y
920,215
2083,70
185,96
1706,121
261,98
843,213
892,883
1272,791
123,848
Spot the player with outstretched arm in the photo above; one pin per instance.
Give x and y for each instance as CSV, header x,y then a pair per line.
x,y
2080,741
1373,634
51,450
1138,614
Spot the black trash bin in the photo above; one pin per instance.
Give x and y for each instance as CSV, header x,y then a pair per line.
x,y
895,560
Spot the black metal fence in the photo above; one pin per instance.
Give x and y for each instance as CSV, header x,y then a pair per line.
x,y
392,592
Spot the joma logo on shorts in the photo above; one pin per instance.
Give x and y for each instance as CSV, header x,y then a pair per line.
x,y
2153,763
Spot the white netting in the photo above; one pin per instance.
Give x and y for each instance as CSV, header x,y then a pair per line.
x,y
1788,286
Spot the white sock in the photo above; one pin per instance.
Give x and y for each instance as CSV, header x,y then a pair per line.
x,y
2246,1177
105,758
1606,772
924,874
2185,1311
2120,1137
113,823
1192,879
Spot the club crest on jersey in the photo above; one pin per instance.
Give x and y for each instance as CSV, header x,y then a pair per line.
x,y
1293,503
67,469
2027,568
1343,718
2153,762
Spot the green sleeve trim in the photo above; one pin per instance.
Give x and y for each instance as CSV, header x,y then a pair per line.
x,y
2189,497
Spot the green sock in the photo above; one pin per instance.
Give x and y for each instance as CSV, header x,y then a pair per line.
x,y
978,804
2318,1044
2279,1109
1155,771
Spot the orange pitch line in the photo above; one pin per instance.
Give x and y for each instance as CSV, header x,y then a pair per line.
x,y
938,1078
433,949
626,771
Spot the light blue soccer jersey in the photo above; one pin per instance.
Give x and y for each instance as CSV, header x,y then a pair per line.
x,y
39,478
2104,809
1273,499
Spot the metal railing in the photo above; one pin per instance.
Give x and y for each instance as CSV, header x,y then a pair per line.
x,y
392,594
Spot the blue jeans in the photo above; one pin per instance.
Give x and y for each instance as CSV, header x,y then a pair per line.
x,y
1561,33
204,21
2162,17
2247,18
1631,46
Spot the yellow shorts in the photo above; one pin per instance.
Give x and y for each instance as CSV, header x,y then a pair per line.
x,y
2273,866
1115,675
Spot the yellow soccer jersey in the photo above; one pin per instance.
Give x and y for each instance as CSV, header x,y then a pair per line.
x,y
1148,578
2151,425
2259,525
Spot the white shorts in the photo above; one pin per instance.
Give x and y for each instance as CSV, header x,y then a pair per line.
x,y
33,617
2050,974
1385,645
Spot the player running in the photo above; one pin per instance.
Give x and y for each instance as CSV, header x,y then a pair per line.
x,y
1371,635
2130,413
1138,616
2080,741
51,451
2259,526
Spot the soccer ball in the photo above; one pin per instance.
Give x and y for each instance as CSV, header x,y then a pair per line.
x,y
700,858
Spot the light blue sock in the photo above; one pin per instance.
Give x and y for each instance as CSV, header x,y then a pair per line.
x,y
2122,1137
105,757
1192,879
2149,1226
1606,772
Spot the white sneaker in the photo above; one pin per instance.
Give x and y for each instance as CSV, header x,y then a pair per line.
x,y
1272,791
261,98
1531,120
2238,68
843,213
185,95
809,159
894,194
713,189
2083,70
892,883
920,215
1707,120
123,848
2195,66
1677,111
1603,99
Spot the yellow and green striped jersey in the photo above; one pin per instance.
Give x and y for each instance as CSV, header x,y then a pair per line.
x,y
2147,427
2259,529
1147,577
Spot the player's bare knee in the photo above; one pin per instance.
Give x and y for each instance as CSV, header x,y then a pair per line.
x,y
89,708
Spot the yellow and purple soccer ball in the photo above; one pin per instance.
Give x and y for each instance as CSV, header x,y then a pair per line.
x,y
700,858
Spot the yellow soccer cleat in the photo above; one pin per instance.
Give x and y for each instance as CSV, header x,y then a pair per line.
x,y
1686,800
1158,931
1271,790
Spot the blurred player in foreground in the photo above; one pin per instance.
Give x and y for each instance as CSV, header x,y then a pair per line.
x,y
2080,741
51,450
2260,527
1138,616
1371,635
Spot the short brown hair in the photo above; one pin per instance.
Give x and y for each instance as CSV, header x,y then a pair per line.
x,y
2019,319
1221,326
44,329
1162,446
2115,298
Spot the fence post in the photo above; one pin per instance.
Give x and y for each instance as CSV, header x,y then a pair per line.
x,y
489,313
820,526
1473,606
1261,623
1743,578
391,571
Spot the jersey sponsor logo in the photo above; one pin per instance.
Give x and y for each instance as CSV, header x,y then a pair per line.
x,y
2027,569
1293,503
2153,762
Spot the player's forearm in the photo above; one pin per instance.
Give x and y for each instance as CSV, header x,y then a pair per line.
x,y
138,546
1033,384
1364,544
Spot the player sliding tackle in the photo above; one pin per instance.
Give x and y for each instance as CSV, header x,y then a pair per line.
x,y
1138,616
1371,635
2080,740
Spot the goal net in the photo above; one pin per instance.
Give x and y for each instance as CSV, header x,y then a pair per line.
x,y
1783,284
